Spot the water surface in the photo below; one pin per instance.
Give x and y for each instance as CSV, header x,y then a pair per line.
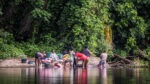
x,y
74,76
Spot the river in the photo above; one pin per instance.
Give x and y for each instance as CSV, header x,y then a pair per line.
x,y
91,75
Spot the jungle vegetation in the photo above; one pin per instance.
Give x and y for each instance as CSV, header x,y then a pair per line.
x,y
119,26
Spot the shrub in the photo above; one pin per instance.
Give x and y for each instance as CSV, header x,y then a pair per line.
x,y
8,51
148,52
29,49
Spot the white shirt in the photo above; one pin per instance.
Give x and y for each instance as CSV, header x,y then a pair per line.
x,y
104,56
54,56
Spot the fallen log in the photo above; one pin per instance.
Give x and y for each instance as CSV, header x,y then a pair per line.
x,y
131,57
126,61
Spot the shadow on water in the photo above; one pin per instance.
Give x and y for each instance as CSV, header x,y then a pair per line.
x,y
74,76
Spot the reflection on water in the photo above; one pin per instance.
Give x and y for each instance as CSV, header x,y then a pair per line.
x,y
53,76
80,76
103,75
73,76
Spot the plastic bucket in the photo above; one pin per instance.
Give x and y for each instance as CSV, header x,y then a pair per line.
x,y
30,62
23,60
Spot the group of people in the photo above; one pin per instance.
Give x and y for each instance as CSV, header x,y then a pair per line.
x,y
71,56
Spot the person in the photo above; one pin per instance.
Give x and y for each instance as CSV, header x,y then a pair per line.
x,y
64,51
54,56
82,57
55,59
38,56
87,52
103,60
69,57
46,60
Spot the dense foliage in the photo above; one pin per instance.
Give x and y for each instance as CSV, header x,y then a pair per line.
x,y
119,26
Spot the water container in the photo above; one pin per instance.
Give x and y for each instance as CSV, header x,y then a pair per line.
x,y
23,60
30,62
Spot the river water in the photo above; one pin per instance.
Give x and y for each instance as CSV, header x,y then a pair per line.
x,y
90,75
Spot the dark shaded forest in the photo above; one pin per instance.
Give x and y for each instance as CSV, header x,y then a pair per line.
x,y
119,26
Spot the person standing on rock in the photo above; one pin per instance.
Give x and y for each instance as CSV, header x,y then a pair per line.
x,y
103,60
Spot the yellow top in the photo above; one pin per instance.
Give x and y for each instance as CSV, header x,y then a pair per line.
x,y
66,56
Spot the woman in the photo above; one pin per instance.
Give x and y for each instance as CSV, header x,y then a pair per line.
x,y
38,57
82,57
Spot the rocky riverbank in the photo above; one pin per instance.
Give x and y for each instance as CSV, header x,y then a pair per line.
x,y
16,62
